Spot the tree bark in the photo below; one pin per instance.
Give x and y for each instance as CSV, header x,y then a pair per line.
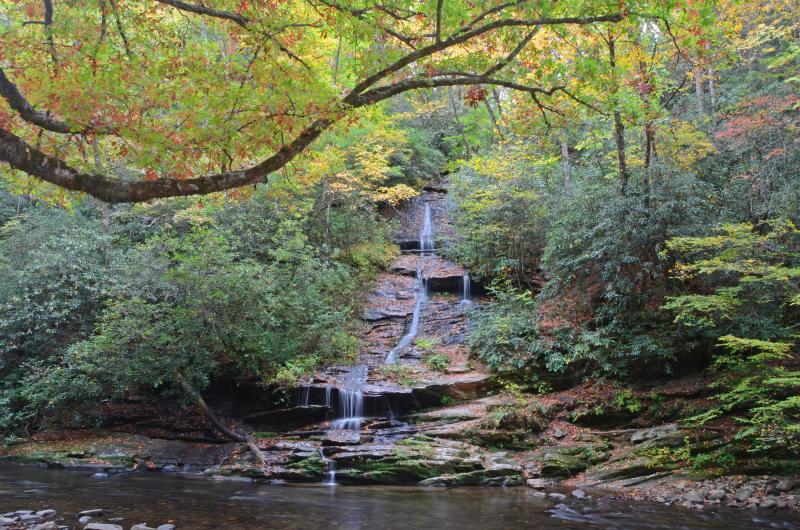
x,y
698,90
565,162
206,411
619,126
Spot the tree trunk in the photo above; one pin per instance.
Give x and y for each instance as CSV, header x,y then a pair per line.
x,y
565,162
496,98
460,125
698,90
206,411
619,127
712,91
495,125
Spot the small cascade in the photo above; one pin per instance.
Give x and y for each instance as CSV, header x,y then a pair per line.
x,y
466,296
305,396
422,301
330,468
426,233
351,410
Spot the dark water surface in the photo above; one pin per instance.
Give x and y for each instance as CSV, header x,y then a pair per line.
x,y
197,503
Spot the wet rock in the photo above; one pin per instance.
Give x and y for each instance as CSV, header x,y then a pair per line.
x,y
744,493
579,494
49,525
84,520
287,418
341,437
166,527
693,497
786,484
768,504
557,496
536,483
46,514
102,526
716,495
100,475
495,476
91,513
141,526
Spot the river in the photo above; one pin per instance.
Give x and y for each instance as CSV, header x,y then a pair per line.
x,y
198,503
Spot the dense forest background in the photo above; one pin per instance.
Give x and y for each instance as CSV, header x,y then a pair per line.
x,y
641,227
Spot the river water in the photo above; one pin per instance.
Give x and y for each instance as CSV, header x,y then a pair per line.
x,y
198,503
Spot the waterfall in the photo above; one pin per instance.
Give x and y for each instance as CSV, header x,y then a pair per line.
x,y
466,295
351,410
422,300
421,288
305,396
426,233
328,396
330,468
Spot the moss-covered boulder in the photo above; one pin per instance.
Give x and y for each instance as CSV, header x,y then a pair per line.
x,y
566,461
499,475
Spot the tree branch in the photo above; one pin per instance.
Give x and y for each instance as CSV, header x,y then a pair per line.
x,y
207,11
27,112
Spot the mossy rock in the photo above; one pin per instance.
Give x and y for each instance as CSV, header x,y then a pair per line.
x,y
495,476
528,418
311,468
629,468
566,461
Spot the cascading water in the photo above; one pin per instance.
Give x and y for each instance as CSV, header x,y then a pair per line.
x,y
351,410
466,297
330,468
422,300
426,233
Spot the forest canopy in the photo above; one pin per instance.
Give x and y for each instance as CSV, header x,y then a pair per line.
x,y
134,100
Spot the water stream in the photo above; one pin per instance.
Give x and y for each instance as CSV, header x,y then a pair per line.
x,y
196,503
420,287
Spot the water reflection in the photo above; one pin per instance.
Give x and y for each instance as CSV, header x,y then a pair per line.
x,y
199,504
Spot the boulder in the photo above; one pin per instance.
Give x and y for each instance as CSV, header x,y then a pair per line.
x,y
786,484
744,493
716,495
654,433
537,483
694,497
